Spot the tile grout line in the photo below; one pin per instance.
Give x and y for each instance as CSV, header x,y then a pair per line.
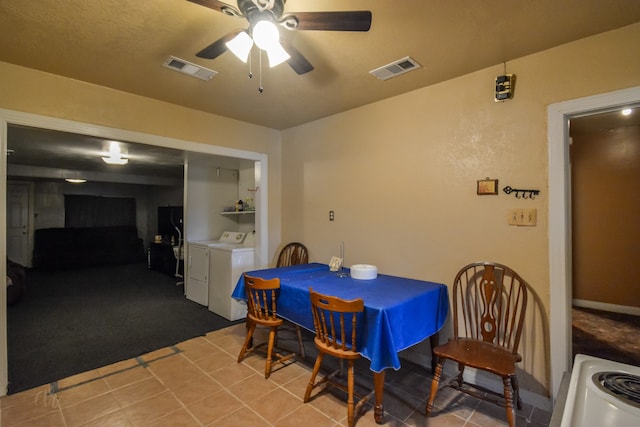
x,y
183,406
192,362
256,372
140,363
226,389
54,387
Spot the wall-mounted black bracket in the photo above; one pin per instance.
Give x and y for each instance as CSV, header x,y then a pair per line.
x,y
525,194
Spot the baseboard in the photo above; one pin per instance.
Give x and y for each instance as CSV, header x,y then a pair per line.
x,y
596,305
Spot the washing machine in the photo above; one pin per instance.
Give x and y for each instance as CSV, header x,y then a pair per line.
x,y
218,269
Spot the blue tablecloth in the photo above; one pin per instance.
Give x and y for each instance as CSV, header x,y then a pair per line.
x,y
399,312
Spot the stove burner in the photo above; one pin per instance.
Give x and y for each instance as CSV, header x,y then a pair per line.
x,y
625,387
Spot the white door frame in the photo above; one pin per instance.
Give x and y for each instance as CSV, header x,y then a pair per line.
x,y
19,118
560,280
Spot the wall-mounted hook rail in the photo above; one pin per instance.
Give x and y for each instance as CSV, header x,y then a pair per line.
x,y
525,194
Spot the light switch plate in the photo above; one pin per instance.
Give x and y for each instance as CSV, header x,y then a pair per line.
x,y
515,216
523,217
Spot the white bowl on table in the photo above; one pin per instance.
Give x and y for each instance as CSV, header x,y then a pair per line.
x,y
364,271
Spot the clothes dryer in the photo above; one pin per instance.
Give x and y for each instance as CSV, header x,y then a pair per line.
x,y
227,259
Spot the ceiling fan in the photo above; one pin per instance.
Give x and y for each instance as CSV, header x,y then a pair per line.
x,y
263,16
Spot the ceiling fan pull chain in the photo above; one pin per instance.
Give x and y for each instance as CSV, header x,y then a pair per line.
x,y
260,88
250,65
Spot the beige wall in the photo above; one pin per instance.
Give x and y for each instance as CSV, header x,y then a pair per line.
x,y
401,174
605,168
35,92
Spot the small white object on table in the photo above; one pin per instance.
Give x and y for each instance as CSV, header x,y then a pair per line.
x,y
363,271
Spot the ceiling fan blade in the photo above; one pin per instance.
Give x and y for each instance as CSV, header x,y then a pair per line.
x,y
297,61
218,47
329,21
219,6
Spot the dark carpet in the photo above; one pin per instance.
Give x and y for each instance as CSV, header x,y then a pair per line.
x,y
77,320
607,335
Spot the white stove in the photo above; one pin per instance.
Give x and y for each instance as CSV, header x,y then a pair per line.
x,y
602,393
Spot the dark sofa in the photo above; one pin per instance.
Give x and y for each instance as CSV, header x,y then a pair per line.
x,y
16,281
64,248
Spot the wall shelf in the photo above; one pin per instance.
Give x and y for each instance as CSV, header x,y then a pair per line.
x,y
237,213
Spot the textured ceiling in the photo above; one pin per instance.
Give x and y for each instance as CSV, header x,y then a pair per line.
x,y
122,44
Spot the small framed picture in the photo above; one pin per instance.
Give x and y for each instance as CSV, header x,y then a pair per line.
x,y
487,186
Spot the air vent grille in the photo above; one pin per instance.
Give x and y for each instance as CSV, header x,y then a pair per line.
x,y
395,68
189,68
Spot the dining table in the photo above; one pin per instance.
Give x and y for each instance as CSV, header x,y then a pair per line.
x,y
398,312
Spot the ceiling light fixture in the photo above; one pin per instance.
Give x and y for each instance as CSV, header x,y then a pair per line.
x,y
626,112
266,36
75,180
114,155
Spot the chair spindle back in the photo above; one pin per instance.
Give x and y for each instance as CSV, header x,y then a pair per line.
x,y
336,321
489,303
293,254
261,297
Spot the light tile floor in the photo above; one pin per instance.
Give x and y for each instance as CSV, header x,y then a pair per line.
x,y
199,383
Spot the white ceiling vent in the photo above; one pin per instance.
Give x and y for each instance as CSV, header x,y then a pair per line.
x,y
189,68
396,68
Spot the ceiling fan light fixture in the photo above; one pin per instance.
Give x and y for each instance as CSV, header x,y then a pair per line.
x,y
241,46
277,55
265,34
267,37
265,17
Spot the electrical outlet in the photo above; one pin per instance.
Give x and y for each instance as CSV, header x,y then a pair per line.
x,y
331,216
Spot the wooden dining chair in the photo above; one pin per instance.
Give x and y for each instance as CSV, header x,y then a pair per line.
x,y
336,325
293,254
489,304
262,296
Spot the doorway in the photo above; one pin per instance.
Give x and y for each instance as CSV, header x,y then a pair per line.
x,y
560,259
8,117
605,174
